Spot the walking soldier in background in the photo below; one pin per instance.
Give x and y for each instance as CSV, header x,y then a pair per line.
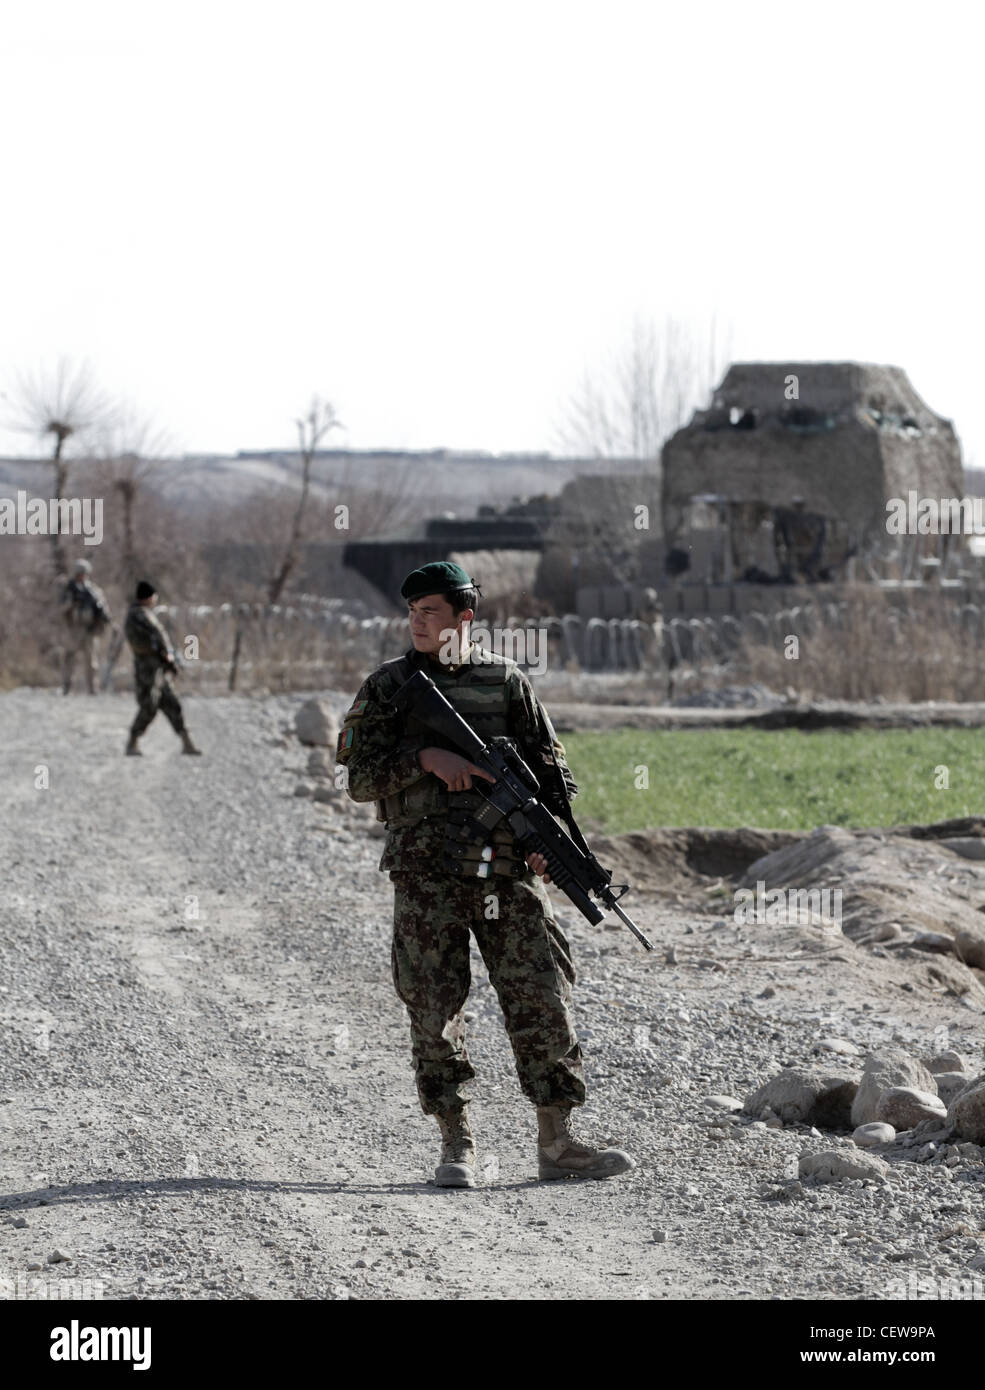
x,y
446,883
153,665
86,615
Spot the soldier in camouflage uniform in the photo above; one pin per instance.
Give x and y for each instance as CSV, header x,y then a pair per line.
x,y
448,882
86,615
153,665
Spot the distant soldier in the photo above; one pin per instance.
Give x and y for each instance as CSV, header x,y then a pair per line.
x,y
153,665
86,614
450,875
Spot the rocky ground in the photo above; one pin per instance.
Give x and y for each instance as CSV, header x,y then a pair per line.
x,y
205,1088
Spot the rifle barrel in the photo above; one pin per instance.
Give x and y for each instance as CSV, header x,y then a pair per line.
x,y
632,926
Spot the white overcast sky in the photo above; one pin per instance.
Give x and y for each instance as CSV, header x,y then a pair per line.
x,y
440,214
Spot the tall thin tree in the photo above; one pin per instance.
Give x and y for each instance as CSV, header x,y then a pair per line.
x,y
312,429
59,406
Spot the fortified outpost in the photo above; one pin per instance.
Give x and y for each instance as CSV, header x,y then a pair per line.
x,y
782,481
787,473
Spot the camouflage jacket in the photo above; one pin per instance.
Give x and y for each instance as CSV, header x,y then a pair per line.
x,y
377,766
147,637
84,606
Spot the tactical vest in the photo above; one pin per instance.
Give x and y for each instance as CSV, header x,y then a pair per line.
x,y
480,694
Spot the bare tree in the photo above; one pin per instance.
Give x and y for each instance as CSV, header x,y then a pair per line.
x,y
662,375
128,449
312,428
59,407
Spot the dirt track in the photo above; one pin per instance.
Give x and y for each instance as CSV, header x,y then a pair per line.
x,y
222,1106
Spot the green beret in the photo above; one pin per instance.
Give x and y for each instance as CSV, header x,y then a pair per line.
x,y
439,577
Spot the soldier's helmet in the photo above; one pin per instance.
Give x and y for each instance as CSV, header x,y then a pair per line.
x,y
82,567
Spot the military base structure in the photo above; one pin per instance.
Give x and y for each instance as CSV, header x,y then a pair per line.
x,y
781,482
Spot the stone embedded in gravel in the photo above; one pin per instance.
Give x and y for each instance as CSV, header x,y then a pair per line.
x,y
58,1257
320,764
871,1135
302,789
830,1165
20,1222
809,1094
840,1045
903,1107
722,1102
886,1069
660,1236
949,1083
969,945
946,1061
935,941
315,723
34,1265
966,1111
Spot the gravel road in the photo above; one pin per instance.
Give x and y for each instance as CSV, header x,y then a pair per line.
x,y
206,1091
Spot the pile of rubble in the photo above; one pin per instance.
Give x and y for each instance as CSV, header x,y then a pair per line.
x,y
900,1108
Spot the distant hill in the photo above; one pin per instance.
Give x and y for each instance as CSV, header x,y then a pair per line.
x,y
433,481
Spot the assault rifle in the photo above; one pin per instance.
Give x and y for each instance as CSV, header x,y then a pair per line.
x,y
513,798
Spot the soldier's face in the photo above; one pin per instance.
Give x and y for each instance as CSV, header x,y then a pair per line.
x,y
430,617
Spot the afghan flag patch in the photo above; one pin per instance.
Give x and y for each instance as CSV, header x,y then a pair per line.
x,y
345,740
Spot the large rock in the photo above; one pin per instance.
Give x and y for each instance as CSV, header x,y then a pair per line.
x,y
903,1107
969,944
945,1061
967,1111
809,1094
315,723
872,1136
831,1164
949,1083
884,1070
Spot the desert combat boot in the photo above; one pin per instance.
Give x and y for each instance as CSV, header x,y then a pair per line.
x,y
561,1155
457,1166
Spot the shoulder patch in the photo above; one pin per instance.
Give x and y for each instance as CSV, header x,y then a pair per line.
x,y
344,743
355,710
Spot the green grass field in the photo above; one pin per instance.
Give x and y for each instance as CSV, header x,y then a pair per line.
x,y
782,780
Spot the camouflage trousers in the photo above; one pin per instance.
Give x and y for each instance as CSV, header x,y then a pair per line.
x,y
80,642
529,964
154,692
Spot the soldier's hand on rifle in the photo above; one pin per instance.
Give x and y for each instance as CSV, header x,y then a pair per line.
x,y
455,771
538,863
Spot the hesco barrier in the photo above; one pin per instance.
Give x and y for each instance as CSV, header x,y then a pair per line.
x,y
314,637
